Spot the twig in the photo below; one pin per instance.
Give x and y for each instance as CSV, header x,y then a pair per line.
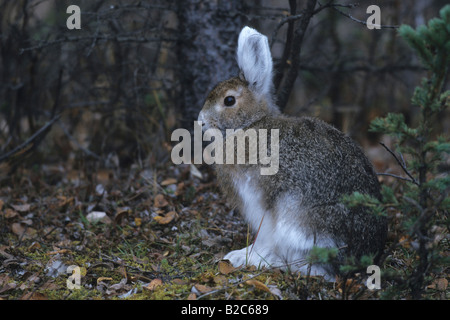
x,y
231,286
361,21
402,165
96,38
393,175
85,150
29,142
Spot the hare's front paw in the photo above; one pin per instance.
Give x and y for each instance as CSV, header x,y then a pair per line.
x,y
237,257
259,258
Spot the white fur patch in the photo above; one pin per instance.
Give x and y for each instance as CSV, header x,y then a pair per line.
x,y
279,243
260,253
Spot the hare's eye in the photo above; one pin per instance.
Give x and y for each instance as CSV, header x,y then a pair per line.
x,y
229,101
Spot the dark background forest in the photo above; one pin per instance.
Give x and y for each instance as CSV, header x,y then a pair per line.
x,y
93,109
137,70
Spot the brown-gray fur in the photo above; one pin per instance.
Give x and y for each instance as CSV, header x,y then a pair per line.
x,y
318,164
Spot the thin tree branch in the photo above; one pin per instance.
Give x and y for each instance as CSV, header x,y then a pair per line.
x,y
287,47
287,83
29,143
401,164
361,21
394,175
96,38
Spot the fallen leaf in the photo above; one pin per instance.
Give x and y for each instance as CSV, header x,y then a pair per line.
x,y
100,189
27,222
220,280
34,246
195,172
178,281
225,267
439,284
168,217
405,242
5,254
98,216
10,213
104,176
153,284
168,182
351,286
160,201
101,279
62,251
49,285
8,286
192,296
22,230
258,285
202,288
276,292
37,296
180,188
122,285
121,213
55,268
137,222
21,207
63,200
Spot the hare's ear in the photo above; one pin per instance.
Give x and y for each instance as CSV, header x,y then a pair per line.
x,y
255,61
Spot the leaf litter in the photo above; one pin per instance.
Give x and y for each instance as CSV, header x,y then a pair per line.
x,y
141,234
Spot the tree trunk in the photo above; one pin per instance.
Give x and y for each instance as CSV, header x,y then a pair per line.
x,y
208,32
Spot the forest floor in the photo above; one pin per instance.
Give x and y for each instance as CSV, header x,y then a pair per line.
x,y
141,234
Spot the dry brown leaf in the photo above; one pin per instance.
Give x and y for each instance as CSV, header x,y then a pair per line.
x,y
351,286
62,251
178,281
121,213
440,284
49,285
160,201
8,286
225,267
168,181
192,296
34,246
202,288
37,296
258,285
153,284
10,213
180,188
104,176
100,279
1,204
405,242
220,280
168,217
63,200
21,230
138,221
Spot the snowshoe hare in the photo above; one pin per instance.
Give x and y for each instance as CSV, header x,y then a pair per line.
x,y
300,206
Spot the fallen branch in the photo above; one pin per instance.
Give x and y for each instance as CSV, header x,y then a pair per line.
x,y
31,142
